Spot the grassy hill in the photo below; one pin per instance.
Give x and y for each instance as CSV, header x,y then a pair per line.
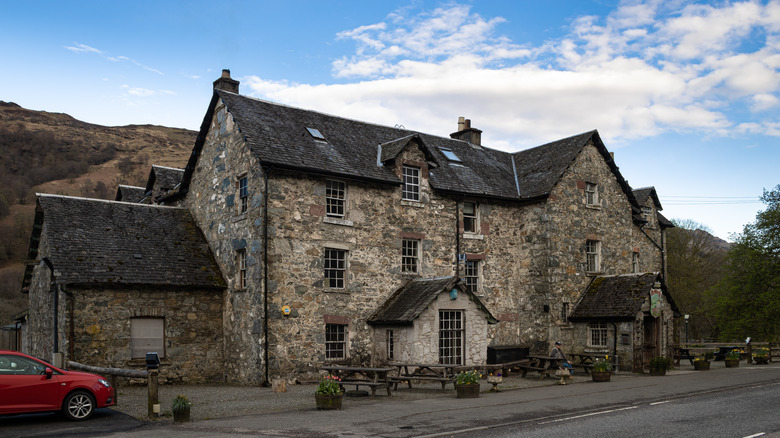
x,y
54,153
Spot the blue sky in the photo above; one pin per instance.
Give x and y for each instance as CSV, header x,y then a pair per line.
x,y
686,94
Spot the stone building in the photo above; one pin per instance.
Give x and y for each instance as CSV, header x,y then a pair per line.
x,y
326,228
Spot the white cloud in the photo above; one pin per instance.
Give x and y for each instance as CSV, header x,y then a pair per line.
x,y
83,48
648,67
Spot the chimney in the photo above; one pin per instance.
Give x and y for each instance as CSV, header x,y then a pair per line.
x,y
467,133
225,82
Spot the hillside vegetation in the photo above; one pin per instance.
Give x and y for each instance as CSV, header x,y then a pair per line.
x,y
54,153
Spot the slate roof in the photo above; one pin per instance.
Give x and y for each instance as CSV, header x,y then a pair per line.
x,y
411,299
129,193
163,180
641,196
618,297
278,136
97,242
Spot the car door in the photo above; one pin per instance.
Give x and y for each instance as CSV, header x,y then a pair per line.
x,y
24,386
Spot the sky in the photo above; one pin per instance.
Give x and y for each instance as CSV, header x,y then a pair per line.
x,y
685,93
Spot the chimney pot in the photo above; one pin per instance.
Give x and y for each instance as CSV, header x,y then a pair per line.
x,y
225,82
461,123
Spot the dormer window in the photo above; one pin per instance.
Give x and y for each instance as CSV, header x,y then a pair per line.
x,y
450,155
647,212
316,133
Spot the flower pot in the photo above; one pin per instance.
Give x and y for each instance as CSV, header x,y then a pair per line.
x,y
732,363
328,402
467,391
181,415
495,379
763,360
657,371
601,376
701,365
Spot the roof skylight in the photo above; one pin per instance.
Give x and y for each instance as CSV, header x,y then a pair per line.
x,y
316,133
449,154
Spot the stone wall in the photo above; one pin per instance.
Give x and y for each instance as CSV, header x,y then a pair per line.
x,y
99,324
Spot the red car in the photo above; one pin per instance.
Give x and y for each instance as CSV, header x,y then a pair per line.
x,y
28,384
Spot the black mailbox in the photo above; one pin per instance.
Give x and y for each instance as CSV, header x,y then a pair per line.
x,y
152,361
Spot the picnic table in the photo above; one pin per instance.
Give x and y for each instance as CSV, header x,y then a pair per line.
x,y
406,372
682,353
585,360
545,365
361,376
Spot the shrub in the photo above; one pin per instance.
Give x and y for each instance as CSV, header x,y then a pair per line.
x,y
602,364
660,363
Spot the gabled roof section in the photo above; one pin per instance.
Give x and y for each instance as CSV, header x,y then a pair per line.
x,y
97,242
643,193
389,151
163,180
410,300
129,193
618,297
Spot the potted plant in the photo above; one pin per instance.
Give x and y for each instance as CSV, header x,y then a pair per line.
x,y
733,357
329,394
181,409
602,370
659,365
467,384
702,363
495,379
761,355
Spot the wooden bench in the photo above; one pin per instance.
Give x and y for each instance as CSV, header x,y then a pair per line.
x,y
585,366
395,380
422,372
358,383
361,376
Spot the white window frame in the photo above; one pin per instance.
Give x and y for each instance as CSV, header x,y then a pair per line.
x,y
410,190
597,334
593,256
470,220
147,335
336,341
335,264
471,276
243,194
390,338
241,271
335,198
591,194
410,256
635,262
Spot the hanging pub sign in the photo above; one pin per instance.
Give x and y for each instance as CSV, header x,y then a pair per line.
x,y
655,302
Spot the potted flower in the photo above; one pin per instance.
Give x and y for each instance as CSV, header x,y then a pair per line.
x,y
467,384
659,365
761,355
329,394
733,357
602,370
181,409
702,363
494,379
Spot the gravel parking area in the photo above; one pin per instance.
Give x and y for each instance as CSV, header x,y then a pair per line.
x,y
220,401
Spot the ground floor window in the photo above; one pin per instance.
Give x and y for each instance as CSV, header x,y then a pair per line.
x,y
390,345
451,337
147,335
335,341
597,334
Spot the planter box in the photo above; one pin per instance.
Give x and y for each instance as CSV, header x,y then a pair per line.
x,y
701,365
467,391
601,376
732,363
328,402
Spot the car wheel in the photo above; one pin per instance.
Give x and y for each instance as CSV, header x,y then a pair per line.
x,y
78,405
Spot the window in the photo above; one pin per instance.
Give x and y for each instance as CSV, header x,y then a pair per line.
x,y
390,345
335,197
471,275
591,194
243,195
411,188
335,341
316,133
410,258
11,364
450,155
647,212
635,262
241,263
593,252
335,268
451,337
564,311
147,335
469,217
597,334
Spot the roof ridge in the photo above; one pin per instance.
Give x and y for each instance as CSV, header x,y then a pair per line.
x,y
108,201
